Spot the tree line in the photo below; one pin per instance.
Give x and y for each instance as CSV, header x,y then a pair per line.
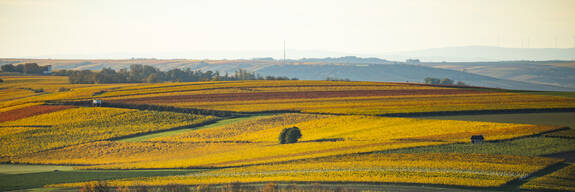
x,y
138,73
27,68
444,81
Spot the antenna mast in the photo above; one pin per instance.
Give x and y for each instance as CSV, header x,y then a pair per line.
x,y
285,52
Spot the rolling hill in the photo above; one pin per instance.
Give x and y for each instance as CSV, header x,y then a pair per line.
x,y
352,68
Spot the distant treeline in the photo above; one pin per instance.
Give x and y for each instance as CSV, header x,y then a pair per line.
x,y
138,73
28,68
444,81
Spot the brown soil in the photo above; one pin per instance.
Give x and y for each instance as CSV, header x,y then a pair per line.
x,y
31,111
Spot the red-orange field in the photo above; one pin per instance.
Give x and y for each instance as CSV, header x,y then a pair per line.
x,y
295,95
31,111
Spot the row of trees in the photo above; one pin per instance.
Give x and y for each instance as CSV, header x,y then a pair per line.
x,y
336,79
147,74
444,81
28,68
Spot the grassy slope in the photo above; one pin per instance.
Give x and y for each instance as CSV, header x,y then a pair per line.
x,y
35,180
20,169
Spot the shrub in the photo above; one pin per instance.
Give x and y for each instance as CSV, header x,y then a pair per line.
x,y
289,135
282,137
293,135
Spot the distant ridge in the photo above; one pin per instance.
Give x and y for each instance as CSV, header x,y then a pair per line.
x,y
483,53
350,67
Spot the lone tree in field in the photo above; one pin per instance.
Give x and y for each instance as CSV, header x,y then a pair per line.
x,y
289,135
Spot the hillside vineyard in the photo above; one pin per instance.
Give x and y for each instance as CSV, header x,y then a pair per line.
x,y
216,134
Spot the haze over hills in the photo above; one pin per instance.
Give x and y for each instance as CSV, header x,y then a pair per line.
x,y
447,54
356,69
483,53
558,73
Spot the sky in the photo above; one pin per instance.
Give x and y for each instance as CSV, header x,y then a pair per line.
x,y
249,28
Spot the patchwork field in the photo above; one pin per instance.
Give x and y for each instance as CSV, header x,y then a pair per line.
x,y
345,136
81,125
329,97
447,169
255,141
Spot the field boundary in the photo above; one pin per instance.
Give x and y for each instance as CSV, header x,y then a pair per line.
x,y
516,183
88,103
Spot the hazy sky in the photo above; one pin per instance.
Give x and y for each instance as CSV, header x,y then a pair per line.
x,y
65,27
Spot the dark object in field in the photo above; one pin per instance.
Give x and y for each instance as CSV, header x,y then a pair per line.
x,y
289,135
476,139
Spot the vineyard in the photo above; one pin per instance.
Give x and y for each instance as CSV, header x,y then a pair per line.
x,y
81,125
347,133
326,97
561,180
255,141
448,169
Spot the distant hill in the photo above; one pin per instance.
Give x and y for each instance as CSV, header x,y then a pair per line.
x,y
483,53
397,73
350,67
557,73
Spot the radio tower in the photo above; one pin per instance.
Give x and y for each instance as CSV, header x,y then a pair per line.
x,y
285,52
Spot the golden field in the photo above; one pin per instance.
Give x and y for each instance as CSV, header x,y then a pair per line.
x,y
368,98
447,169
561,180
254,141
345,136
80,125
